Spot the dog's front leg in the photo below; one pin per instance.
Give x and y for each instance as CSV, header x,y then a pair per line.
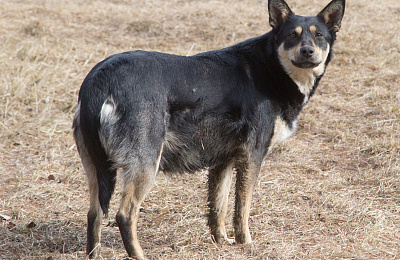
x,y
219,184
246,177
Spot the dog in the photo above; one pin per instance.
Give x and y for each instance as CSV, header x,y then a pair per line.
x,y
223,110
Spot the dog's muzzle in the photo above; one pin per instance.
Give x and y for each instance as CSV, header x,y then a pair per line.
x,y
306,58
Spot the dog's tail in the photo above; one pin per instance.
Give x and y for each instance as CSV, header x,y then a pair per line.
x,y
106,178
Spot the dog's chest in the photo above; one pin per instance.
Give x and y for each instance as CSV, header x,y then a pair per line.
x,y
282,131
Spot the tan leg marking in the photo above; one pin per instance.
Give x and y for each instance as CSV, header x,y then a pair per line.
x,y
246,179
137,185
219,187
95,214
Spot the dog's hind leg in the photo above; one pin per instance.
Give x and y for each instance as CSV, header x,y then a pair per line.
x,y
219,184
134,192
137,182
246,177
94,166
95,213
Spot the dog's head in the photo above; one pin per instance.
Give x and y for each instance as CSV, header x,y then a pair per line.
x,y
305,42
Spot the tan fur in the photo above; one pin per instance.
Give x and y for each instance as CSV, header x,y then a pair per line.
x,y
247,173
283,15
88,166
224,187
172,141
221,206
95,210
298,30
134,193
129,208
313,29
135,189
326,15
304,78
242,232
246,214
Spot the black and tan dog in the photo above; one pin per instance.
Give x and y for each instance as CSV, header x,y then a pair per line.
x,y
144,112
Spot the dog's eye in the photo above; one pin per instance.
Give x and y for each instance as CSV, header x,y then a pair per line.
x,y
318,35
293,35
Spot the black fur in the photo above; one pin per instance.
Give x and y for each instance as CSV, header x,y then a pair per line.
x,y
202,111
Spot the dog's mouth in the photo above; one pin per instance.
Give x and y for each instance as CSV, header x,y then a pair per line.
x,y
306,64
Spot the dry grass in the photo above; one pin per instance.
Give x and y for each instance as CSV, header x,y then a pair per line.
x,y
331,192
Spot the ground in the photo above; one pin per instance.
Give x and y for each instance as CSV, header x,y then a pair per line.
x,y
332,191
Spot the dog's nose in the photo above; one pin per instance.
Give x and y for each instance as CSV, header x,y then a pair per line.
x,y
307,51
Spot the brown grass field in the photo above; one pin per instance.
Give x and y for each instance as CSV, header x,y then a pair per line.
x,y
332,191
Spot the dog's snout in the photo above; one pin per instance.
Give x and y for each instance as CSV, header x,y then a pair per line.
x,y
307,51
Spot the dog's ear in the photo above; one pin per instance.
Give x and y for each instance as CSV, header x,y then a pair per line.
x,y
278,12
332,14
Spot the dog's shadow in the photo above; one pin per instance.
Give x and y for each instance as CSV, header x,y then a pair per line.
x,y
52,238
48,238
39,238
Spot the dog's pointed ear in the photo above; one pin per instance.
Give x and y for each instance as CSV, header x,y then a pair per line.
x,y
332,14
278,12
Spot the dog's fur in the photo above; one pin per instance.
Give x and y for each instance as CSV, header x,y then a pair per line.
x,y
223,110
